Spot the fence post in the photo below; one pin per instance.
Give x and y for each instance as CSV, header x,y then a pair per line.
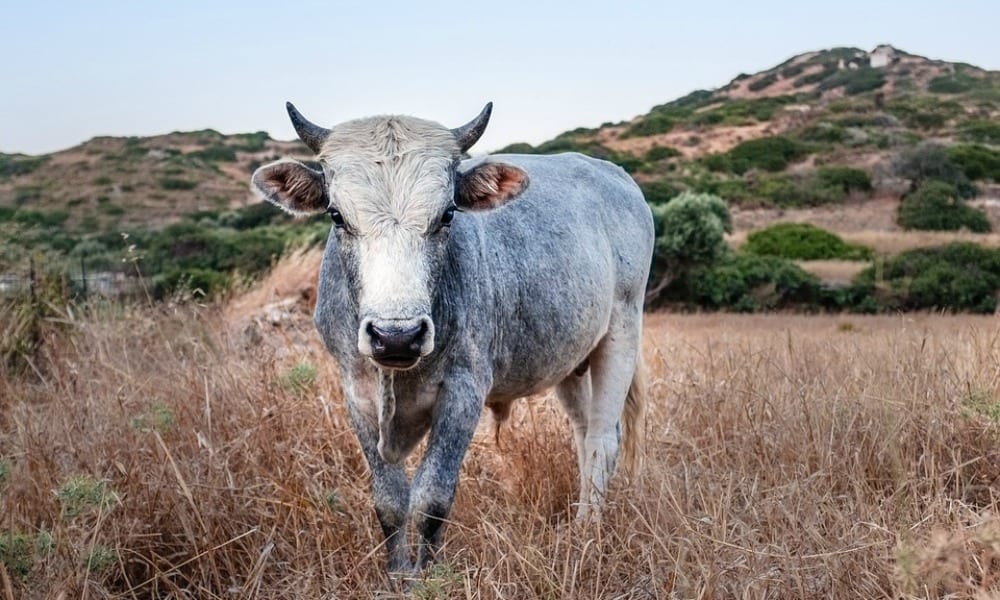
x,y
31,278
83,273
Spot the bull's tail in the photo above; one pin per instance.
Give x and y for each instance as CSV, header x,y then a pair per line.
x,y
633,444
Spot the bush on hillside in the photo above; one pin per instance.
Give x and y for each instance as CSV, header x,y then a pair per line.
x,y
751,283
763,83
854,81
12,165
847,179
741,111
176,183
802,241
652,124
215,153
931,162
517,148
826,185
976,161
661,153
659,192
823,133
983,131
924,112
690,231
958,276
936,206
767,153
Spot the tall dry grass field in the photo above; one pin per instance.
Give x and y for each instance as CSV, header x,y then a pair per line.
x,y
179,452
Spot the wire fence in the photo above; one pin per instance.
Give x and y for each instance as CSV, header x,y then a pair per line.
x,y
81,281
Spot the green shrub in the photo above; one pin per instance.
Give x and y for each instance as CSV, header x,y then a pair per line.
x,y
847,179
176,183
41,218
763,83
823,132
83,492
659,192
191,280
982,131
828,69
796,190
751,283
802,241
215,153
854,81
923,112
102,180
792,70
652,124
253,215
936,206
12,165
977,162
249,142
110,209
661,152
958,276
931,162
518,148
742,111
690,231
767,153
17,553
948,84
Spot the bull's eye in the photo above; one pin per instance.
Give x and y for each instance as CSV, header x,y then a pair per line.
x,y
448,216
335,216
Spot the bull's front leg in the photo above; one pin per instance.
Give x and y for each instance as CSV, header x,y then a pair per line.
x,y
390,490
457,413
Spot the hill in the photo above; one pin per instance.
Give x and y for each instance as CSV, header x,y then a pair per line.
x,y
146,182
818,129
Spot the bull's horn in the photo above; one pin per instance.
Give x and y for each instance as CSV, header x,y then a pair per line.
x,y
469,134
311,134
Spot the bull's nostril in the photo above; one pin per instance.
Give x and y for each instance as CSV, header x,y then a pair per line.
x,y
375,335
391,341
418,338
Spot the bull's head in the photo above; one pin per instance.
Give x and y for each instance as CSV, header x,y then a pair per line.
x,y
392,188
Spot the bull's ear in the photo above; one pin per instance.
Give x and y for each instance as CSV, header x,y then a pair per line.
x,y
490,185
292,186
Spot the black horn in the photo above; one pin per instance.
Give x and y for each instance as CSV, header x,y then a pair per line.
x,y
469,134
311,134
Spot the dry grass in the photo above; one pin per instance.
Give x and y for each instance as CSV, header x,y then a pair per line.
x,y
894,242
169,453
834,271
889,242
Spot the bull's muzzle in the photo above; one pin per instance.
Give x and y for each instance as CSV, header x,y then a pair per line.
x,y
397,343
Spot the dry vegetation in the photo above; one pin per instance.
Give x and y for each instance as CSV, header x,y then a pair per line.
x,y
175,452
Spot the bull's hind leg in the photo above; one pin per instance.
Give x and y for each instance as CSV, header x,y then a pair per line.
x,y
574,393
612,367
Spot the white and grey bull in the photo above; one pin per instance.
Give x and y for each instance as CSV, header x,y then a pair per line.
x,y
451,284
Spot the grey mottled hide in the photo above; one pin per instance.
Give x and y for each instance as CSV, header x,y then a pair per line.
x,y
514,300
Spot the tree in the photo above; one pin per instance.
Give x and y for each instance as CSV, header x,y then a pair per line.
x,y
690,232
930,162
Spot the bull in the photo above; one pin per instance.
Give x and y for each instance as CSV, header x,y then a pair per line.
x,y
448,285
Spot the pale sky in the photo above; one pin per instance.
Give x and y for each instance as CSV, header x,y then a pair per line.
x,y
73,70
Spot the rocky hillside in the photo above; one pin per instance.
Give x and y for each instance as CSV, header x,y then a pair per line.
x,y
111,182
815,130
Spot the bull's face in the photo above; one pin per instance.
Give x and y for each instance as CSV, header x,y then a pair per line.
x,y
392,190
